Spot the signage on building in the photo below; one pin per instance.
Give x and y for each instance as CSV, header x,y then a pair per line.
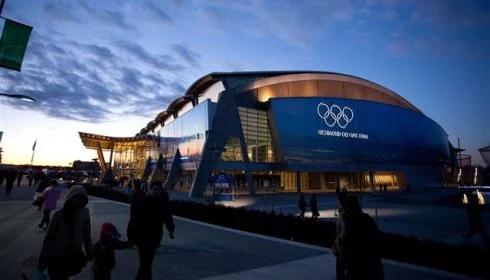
x,y
336,117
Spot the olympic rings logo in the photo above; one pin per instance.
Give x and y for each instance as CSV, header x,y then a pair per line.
x,y
332,115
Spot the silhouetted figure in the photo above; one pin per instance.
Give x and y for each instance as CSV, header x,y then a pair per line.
x,y
475,212
145,227
38,175
104,258
357,243
30,178
10,177
62,252
314,207
20,174
43,184
337,244
2,176
50,198
302,206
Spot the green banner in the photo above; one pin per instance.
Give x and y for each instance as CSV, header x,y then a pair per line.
x,y
13,44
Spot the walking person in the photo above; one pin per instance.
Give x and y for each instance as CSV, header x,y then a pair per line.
x,y
104,257
145,227
37,176
50,198
62,252
30,177
2,176
302,206
357,243
314,207
10,177
475,218
38,197
20,174
337,245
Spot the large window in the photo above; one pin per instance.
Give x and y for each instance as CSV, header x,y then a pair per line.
x,y
257,134
232,150
187,133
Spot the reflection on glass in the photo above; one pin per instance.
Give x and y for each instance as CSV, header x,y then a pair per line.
x,y
257,134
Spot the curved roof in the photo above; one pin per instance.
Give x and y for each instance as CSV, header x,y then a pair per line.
x,y
91,140
245,81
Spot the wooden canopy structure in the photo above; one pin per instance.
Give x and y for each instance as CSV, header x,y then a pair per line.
x,y
132,151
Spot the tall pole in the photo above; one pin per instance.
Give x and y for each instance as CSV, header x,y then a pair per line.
x,y
32,157
33,151
2,2
460,157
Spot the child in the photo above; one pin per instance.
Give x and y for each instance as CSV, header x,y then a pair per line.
x,y
104,257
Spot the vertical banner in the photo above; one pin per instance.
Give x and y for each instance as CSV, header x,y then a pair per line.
x,y
13,44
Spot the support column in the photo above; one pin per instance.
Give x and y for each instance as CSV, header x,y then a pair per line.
x,y
100,154
110,157
298,181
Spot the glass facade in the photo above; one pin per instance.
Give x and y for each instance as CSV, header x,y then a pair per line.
x,y
257,133
232,150
186,133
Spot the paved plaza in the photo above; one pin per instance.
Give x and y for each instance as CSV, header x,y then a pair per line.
x,y
401,213
199,251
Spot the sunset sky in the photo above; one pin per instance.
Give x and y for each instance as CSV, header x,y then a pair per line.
x,y
108,67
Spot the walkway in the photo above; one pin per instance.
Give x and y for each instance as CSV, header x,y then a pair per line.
x,y
199,251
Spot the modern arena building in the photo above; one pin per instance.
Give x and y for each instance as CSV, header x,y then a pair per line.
x,y
291,130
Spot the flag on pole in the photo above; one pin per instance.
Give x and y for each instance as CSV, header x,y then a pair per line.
x,y
13,43
34,146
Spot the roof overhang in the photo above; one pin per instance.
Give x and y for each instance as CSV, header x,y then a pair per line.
x,y
91,141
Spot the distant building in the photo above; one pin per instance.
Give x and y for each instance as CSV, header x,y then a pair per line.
x,y
87,166
293,130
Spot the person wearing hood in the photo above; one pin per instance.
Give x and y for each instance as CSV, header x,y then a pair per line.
x,y
70,228
145,227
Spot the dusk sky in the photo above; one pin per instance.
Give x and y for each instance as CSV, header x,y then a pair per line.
x,y
107,67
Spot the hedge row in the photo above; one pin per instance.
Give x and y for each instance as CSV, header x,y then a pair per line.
x,y
461,259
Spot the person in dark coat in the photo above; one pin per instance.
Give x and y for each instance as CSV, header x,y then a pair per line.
x,y
20,174
104,251
314,207
338,242
145,227
30,177
2,176
37,176
302,206
67,244
475,212
10,177
358,243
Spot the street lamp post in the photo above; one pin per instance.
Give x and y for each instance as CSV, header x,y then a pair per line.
x,y
19,96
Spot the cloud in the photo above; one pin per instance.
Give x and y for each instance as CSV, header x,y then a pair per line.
x,y
89,82
60,11
193,58
107,17
157,13
162,61
287,21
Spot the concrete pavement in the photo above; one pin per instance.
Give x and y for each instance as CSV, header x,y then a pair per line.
x,y
199,251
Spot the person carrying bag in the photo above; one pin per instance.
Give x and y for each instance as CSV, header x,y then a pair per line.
x,y
62,252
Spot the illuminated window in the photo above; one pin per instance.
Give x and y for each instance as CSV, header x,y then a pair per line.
x,y
257,133
232,150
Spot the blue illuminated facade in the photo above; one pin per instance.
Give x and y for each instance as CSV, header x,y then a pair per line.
x,y
298,131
